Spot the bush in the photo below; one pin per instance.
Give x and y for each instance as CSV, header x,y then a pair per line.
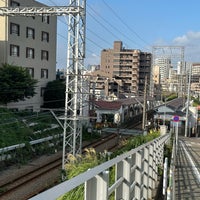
x,y
80,164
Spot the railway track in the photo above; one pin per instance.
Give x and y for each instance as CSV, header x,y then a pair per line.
x,y
33,182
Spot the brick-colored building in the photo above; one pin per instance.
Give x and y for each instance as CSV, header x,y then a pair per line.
x,y
129,65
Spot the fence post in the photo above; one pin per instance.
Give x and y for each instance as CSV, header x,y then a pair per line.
x,y
97,187
146,175
151,180
123,169
165,176
138,175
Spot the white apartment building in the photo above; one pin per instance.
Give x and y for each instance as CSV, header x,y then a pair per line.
x,y
29,42
164,68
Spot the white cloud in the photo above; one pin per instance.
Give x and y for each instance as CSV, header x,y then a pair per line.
x,y
181,40
94,55
190,38
191,42
92,59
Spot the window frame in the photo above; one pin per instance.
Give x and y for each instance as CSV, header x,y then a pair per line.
x,y
44,55
45,19
12,29
30,52
44,73
14,52
42,90
30,34
45,36
14,3
31,71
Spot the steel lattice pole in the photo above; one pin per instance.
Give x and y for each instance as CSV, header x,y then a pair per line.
x,y
72,137
72,134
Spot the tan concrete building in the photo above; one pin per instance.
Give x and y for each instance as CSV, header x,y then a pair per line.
x,y
29,42
195,73
129,65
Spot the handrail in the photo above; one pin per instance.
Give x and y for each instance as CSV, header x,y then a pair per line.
x,y
141,163
171,185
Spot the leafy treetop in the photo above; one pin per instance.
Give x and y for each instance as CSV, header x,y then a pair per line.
x,y
16,84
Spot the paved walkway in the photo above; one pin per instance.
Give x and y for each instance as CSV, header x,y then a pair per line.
x,y
187,169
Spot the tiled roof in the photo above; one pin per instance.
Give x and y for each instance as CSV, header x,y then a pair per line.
x,y
115,105
176,104
108,105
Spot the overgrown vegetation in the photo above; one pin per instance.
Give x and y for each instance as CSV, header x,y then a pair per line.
x,y
22,127
54,94
16,127
169,96
77,165
12,129
91,159
136,141
16,84
196,101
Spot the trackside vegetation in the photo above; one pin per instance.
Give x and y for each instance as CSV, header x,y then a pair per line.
x,y
90,159
22,127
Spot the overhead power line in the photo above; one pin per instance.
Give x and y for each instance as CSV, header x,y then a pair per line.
x,y
125,24
112,26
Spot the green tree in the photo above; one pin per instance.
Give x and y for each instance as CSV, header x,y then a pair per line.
x,y
54,95
16,84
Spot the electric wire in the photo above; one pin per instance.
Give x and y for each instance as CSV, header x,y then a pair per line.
x,y
115,28
91,31
102,25
88,50
125,24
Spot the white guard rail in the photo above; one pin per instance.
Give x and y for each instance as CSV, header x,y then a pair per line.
x,y
17,146
136,173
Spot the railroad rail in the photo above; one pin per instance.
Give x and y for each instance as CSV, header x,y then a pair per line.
x,y
18,183
136,174
13,186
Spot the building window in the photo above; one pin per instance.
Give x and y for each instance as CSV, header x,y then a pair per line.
x,y
42,89
45,36
31,71
14,50
14,29
30,33
45,19
14,4
44,55
30,53
44,73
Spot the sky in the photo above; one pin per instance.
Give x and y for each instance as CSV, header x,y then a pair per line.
x,y
139,24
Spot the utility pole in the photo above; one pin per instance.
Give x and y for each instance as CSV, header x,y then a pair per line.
x,y
188,101
72,133
144,106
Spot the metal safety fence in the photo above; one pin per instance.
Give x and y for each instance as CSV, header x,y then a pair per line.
x,y
136,174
